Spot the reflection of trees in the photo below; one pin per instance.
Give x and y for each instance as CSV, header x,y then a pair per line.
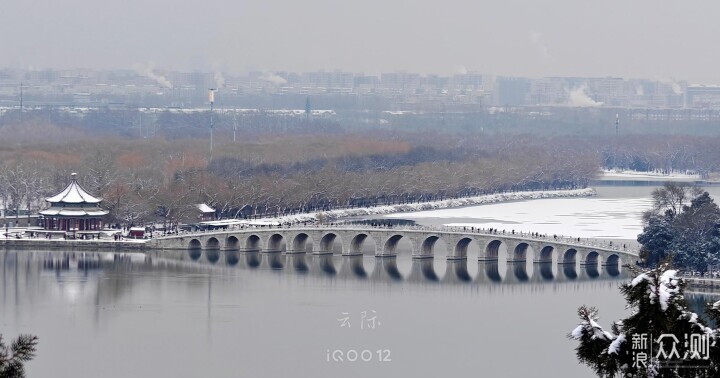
x,y
98,278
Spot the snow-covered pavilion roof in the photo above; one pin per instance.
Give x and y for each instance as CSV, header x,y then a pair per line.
x,y
204,208
74,212
73,193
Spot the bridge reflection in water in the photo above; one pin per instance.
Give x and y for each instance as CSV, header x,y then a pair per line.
x,y
397,269
103,276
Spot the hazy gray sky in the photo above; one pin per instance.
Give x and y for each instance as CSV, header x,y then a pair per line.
x,y
631,38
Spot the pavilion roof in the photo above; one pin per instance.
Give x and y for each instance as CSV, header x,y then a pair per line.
x,y
73,193
204,208
79,212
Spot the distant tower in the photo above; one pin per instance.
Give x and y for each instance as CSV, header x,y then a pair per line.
x,y
617,123
211,98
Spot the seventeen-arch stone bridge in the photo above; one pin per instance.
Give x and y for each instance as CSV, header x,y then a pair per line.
x,y
384,242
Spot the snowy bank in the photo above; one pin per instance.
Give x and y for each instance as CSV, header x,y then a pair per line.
x,y
649,175
433,205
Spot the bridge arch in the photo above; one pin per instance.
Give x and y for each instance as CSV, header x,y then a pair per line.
x,y
212,243
276,243
327,242
461,248
232,243
391,244
612,265
569,255
520,252
302,242
492,249
613,261
360,242
546,253
194,249
427,248
194,244
253,243
592,258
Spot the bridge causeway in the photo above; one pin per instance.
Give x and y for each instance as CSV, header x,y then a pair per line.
x,y
382,242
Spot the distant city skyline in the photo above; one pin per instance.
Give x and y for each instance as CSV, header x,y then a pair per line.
x,y
641,39
158,87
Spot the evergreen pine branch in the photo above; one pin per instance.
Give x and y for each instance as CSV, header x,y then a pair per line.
x,y
24,347
13,357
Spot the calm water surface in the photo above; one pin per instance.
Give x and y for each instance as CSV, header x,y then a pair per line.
x,y
246,315
119,315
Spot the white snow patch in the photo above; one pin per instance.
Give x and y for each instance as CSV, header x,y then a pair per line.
x,y
599,332
586,217
577,332
629,174
668,287
204,208
637,280
614,347
664,291
433,205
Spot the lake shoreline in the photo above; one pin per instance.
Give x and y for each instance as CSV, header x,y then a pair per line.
x,y
341,214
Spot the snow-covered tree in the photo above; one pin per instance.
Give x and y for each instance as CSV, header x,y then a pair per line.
x,y
688,233
660,338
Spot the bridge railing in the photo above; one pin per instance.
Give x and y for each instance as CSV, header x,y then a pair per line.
x,y
561,239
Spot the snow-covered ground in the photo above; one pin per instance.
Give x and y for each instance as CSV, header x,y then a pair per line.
x,y
596,217
433,205
661,176
22,233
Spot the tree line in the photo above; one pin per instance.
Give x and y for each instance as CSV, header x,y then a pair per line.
x,y
316,167
159,179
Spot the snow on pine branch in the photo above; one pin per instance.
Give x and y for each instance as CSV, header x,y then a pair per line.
x,y
614,347
589,326
660,290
